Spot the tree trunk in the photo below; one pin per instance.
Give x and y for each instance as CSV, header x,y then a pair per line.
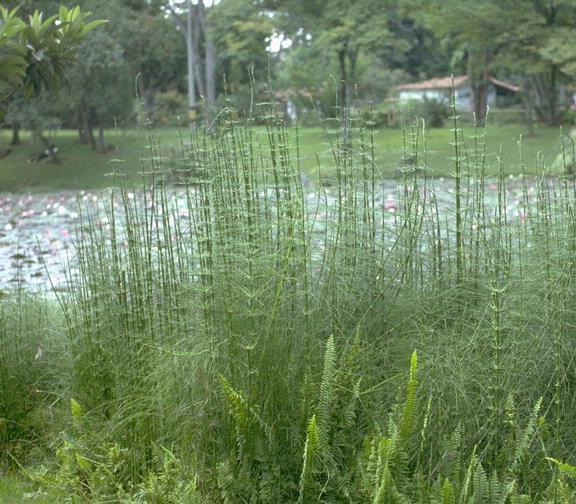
x,y
187,30
51,152
85,133
79,124
553,116
146,98
197,35
530,118
210,54
352,58
528,99
91,138
210,71
343,98
90,115
546,97
15,135
479,60
209,66
480,92
101,143
191,60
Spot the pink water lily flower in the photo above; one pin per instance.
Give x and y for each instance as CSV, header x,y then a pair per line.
x,y
390,204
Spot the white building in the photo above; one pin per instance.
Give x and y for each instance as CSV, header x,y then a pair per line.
x,y
440,89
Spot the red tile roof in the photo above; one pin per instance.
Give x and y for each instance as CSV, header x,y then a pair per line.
x,y
437,83
446,83
505,85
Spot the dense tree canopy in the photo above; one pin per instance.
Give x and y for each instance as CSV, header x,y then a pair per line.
x,y
532,46
164,58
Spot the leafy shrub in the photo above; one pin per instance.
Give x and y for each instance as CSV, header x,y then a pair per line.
x,y
569,116
309,118
379,116
395,115
168,106
497,117
433,112
89,468
502,117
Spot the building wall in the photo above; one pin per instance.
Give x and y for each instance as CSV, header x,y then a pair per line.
x,y
464,97
421,95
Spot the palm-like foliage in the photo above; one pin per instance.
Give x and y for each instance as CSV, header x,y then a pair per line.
x,y
34,54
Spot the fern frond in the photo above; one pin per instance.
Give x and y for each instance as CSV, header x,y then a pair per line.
x,y
370,466
237,411
525,440
480,485
407,422
385,448
350,410
496,489
448,496
466,489
387,492
507,450
507,491
384,490
566,469
326,398
311,457
242,414
76,411
452,458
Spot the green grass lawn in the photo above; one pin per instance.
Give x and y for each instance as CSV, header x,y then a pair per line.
x,y
15,490
82,168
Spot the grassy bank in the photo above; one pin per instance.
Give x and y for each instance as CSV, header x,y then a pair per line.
x,y
82,168
262,344
16,490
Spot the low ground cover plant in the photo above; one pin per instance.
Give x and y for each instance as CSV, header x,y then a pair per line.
x,y
254,336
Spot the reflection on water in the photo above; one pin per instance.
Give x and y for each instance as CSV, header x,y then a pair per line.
x,y
37,230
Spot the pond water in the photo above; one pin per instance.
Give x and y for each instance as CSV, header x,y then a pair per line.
x,y
37,230
35,237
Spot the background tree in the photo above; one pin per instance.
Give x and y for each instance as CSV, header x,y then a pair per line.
x,y
103,81
380,34
35,54
38,115
540,51
532,45
210,50
241,35
158,56
101,87
477,30
190,19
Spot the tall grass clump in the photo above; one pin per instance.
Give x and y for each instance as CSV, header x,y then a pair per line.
x,y
31,368
253,336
